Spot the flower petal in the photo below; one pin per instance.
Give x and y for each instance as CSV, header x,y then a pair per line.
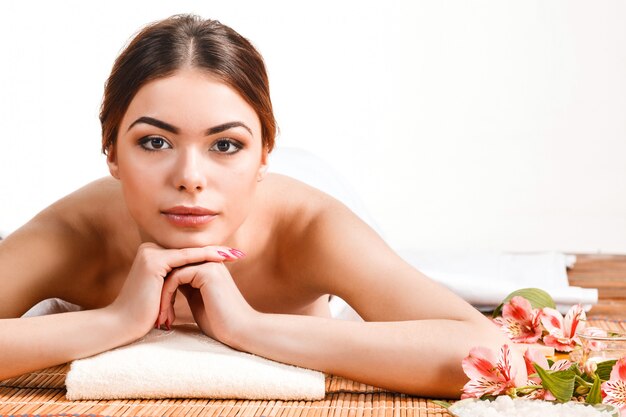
x,y
534,356
615,391
519,332
575,319
518,308
476,388
595,345
552,320
559,343
504,364
480,363
561,365
619,370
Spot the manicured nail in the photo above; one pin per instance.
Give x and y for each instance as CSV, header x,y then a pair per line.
x,y
237,253
224,254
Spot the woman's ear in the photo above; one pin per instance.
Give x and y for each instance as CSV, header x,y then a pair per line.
x,y
264,165
112,162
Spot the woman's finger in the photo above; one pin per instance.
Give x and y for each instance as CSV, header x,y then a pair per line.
x,y
165,260
179,277
173,260
179,257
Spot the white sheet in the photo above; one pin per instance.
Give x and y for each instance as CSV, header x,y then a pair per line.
x,y
485,278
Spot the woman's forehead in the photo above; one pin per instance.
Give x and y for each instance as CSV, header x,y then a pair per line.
x,y
193,100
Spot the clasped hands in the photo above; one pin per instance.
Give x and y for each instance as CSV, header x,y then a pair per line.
x,y
216,303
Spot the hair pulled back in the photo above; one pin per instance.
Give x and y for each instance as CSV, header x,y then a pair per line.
x,y
163,47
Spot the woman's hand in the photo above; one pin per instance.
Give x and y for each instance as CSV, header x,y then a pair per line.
x,y
139,299
216,303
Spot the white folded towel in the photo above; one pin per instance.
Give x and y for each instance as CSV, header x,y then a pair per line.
x,y
184,363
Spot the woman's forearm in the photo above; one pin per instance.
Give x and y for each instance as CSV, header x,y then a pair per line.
x,y
31,343
415,357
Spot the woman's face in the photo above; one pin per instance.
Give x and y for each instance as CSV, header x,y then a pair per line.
x,y
189,155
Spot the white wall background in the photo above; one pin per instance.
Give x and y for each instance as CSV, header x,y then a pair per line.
x,y
462,125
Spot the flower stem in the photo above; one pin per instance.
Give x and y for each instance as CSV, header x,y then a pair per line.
x,y
583,382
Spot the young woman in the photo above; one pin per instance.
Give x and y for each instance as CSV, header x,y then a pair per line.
x,y
187,129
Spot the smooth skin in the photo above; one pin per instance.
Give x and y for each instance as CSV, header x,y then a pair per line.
x,y
110,248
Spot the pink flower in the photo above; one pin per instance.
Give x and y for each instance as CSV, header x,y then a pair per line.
x,y
520,321
614,390
534,356
590,368
562,332
594,345
487,375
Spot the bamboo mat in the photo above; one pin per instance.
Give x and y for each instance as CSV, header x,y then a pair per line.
x,y
42,393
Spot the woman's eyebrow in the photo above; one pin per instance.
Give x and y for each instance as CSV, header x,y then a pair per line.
x,y
225,126
154,122
173,129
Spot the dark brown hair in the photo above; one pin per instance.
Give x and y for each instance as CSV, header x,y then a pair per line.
x,y
163,47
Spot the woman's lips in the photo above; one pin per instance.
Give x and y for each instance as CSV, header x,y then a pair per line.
x,y
182,216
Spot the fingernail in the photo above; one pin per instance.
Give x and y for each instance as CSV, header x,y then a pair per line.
x,y
237,253
224,254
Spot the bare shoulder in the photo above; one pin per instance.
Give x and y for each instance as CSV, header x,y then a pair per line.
x,y
294,203
298,210
58,250
330,250
92,213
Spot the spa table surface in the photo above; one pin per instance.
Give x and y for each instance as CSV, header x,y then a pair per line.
x,y
42,393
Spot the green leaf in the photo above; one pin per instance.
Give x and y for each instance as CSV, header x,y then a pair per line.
x,y
604,369
497,311
594,396
559,383
538,299
443,404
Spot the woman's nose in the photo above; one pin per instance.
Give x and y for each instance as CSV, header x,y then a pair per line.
x,y
189,173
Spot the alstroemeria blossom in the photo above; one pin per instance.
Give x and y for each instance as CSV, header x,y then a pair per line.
x,y
562,331
594,345
533,356
488,375
614,390
520,321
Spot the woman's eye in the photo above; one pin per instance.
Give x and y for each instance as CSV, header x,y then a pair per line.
x,y
154,143
226,146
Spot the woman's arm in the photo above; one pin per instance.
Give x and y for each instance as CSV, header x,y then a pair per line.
x,y
416,331
417,357
31,343
47,255
36,262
